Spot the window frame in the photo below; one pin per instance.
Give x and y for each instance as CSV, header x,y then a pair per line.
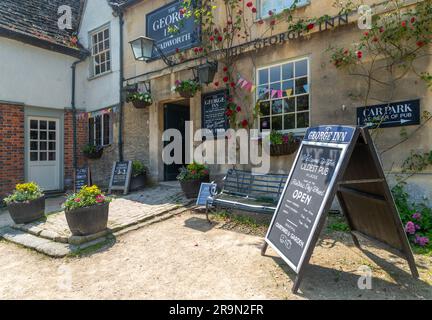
x,y
297,131
265,15
102,131
92,67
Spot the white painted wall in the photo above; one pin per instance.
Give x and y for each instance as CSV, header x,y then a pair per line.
x,y
34,76
103,91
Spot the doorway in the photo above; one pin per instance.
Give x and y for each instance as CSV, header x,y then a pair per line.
x,y
175,116
43,165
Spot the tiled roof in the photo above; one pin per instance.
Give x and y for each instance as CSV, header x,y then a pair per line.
x,y
37,19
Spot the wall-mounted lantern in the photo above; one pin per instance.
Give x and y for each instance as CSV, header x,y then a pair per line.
x,y
207,72
142,48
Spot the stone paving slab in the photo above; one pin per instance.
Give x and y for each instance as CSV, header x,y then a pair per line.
x,y
53,237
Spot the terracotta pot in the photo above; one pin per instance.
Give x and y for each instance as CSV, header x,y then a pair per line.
x,y
88,220
191,187
141,104
283,149
25,212
137,182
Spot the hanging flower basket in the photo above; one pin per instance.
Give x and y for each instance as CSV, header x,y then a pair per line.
x,y
140,100
93,152
187,88
283,143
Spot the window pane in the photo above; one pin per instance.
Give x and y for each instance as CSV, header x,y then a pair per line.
x,y
106,44
108,66
43,125
277,107
303,103
106,129
265,123
97,71
51,156
275,86
33,156
43,135
42,146
91,131
303,120
301,86
265,108
52,146
33,135
98,130
33,145
42,156
263,76
275,74
263,93
289,121
301,68
289,105
286,85
102,69
52,136
287,71
106,33
52,125
277,123
33,124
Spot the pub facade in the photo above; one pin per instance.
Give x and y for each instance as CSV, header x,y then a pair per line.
x,y
285,79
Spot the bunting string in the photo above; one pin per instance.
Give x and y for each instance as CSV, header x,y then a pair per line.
x,y
251,87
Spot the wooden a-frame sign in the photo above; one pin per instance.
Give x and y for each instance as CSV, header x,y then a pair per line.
x,y
335,161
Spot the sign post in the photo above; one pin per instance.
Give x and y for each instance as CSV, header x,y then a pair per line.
x,y
120,176
335,161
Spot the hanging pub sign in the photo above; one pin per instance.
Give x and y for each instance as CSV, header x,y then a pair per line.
x,y
395,114
82,178
213,112
169,16
120,176
335,161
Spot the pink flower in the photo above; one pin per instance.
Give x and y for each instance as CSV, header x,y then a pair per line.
x,y
410,227
100,198
77,200
177,82
421,241
417,216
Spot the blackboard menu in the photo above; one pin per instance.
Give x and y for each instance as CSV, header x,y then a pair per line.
x,y
204,193
301,202
82,178
214,106
120,176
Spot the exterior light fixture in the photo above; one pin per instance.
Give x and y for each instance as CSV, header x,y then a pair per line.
x,y
207,72
142,48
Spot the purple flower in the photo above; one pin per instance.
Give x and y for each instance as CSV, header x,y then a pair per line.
x,y
421,241
410,227
177,82
417,227
417,216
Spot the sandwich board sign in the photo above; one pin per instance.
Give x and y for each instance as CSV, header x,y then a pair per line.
x,y
82,178
120,176
335,161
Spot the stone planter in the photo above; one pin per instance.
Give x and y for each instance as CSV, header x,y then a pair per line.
x,y
137,182
283,149
88,220
25,212
191,187
141,104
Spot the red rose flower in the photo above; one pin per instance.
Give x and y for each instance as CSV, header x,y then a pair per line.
x,y
254,10
366,34
225,69
310,26
273,22
220,38
238,109
201,49
249,4
225,79
270,13
232,84
229,112
381,29
420,43
216,83
375,39
196,50
260,21
244,123
359,54
403,24
413,19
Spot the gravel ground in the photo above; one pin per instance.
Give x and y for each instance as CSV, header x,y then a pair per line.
x,y
185,258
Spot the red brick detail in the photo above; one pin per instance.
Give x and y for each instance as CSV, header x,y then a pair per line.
x,y
82,139
11,147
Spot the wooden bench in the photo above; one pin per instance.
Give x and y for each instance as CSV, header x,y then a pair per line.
x,y
245,191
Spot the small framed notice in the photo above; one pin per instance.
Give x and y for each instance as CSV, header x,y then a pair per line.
x,y
204,193
120,176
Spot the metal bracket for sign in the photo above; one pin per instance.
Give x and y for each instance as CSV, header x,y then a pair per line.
x,y
357,175
124,188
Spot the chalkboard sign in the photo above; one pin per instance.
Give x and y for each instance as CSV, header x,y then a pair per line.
x,y
213,112
120,176
82,178
204,193
335,161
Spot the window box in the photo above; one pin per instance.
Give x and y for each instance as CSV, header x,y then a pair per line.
x,y
284,149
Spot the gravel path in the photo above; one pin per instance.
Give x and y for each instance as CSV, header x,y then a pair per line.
x,y
183,258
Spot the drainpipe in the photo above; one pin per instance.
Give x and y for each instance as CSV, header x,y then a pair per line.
x,y
121,114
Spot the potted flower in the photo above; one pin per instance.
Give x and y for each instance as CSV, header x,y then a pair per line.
x,y
139,172
87,211
187,88
191,178
283,143
92,152
26,204
140,100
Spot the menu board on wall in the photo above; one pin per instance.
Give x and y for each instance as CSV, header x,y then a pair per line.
x,y
213,112
159,22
